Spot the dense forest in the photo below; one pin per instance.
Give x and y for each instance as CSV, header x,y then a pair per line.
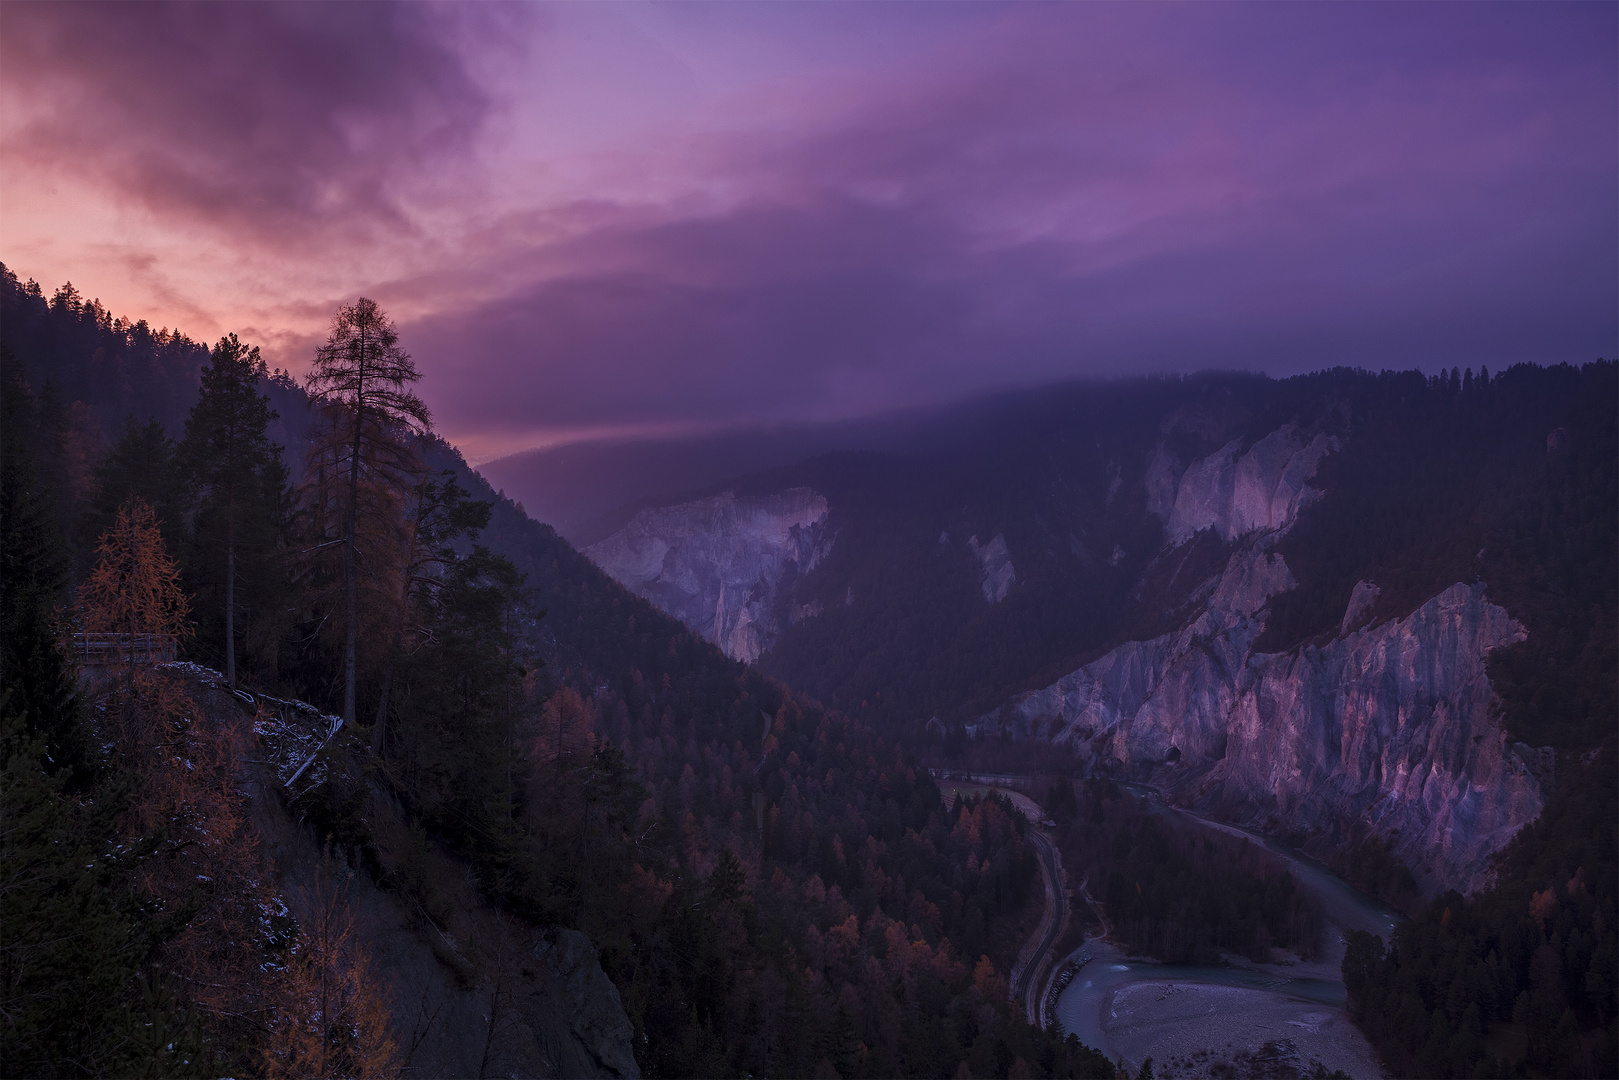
x,y
1181,894
1521,977
775,888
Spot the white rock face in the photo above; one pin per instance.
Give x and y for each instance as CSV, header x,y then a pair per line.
x,y
998,573
1393,725
1263,489
719,564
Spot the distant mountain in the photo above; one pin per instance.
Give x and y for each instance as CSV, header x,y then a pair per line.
x,y
1174,578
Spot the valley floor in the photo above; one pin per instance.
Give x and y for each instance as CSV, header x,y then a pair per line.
x,y
1249,1021
1193,1029
1240,1020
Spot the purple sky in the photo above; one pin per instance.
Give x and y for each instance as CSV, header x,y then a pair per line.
x,y
613,218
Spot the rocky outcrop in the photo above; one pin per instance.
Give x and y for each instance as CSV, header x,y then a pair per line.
x,y
721,565
1393,726
1262,489
588,1035
997,572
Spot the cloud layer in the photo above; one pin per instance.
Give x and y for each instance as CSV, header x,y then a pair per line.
x,y
604,218
269,121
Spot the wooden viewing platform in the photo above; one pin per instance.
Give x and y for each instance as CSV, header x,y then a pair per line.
x,y
100,650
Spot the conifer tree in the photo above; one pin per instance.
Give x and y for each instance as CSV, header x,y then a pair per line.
x,y
33,583
332,1019
361,383
237,468
140,464
71,1002
442,515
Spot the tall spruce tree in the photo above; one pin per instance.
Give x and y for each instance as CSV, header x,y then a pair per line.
x,y
141,464
34,559
236,467
443,515
369,416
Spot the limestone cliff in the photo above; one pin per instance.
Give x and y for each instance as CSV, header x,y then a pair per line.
x,y
1392,727
721,565
1262,489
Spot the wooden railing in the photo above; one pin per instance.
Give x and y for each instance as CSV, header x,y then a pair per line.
x,y
100,649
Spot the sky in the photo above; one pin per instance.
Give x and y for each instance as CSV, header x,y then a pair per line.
x,y
618,218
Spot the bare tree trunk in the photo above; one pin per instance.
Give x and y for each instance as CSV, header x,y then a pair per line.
x,y
350,564
350,594
494,1018
379,729
230,601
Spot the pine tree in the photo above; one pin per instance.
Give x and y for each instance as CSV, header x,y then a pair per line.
x,y
361,384
237,468
71,939
33,584
443,514
141,464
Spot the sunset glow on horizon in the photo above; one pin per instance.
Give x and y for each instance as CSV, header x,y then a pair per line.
x,y
612,219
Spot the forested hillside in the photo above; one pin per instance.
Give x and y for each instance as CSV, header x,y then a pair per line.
x,y
774,888
1506,480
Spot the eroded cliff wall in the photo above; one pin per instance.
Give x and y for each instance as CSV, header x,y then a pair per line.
x,y
1262,489
1393,727
721,565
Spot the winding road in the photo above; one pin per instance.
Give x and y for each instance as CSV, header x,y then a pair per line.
x,y
1030,977
1032,973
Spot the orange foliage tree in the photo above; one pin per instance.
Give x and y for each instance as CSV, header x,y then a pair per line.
x,y
330,1019
135,586
207,864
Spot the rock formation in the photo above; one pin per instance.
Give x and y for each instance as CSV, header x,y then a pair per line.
x,y
1262,489
721,565
1393,726
998,573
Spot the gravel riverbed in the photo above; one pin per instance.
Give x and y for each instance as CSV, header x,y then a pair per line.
x,y
1198,1029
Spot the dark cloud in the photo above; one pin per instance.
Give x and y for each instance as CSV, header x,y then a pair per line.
x,y
1031,192
840,308
1062,206
275,120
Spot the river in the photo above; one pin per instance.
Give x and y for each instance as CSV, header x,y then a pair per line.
x,y
1132,1009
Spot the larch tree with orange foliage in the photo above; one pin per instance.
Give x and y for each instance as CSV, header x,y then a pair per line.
x,y
135,586
206,863
330,1019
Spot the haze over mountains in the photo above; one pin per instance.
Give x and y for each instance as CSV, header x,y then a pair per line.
x,y
996,577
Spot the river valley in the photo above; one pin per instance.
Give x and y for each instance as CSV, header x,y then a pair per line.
x,y
1199,1020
